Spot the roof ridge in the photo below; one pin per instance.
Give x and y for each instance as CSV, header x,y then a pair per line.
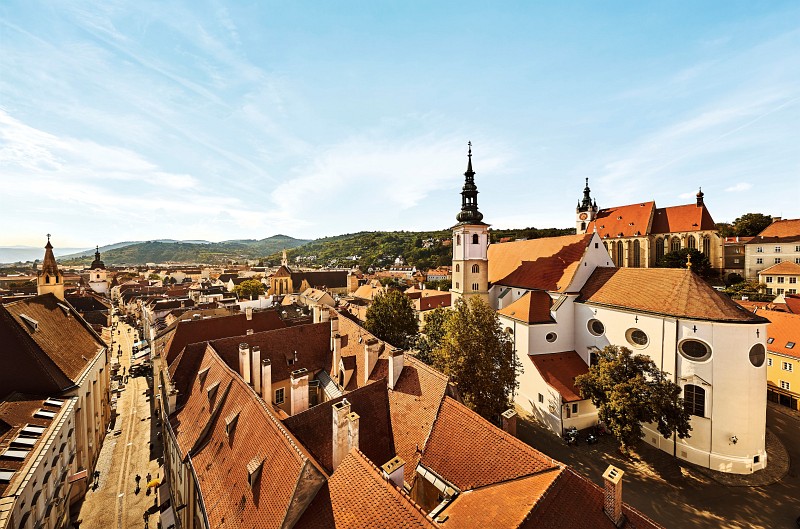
x,y
426,367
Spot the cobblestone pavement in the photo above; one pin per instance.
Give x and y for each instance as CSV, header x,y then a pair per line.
x,y
113,501
676,494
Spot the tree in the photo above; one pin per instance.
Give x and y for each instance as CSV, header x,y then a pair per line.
x,y
439,284
725,229
432,334
629,390
677,259
154,277
751,224
249,289
479,357
391,318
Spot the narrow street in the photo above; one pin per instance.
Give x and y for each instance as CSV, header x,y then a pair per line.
x,y
115,500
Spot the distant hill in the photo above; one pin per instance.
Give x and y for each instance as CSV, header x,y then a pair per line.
x,y
163,251
378,249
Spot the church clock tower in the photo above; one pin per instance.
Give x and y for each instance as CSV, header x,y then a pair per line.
x,y
585,212
470,244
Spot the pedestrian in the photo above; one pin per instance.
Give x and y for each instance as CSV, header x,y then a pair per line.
x,y
148,477
138,478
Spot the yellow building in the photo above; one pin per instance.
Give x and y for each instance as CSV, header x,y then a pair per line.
x,y
783,357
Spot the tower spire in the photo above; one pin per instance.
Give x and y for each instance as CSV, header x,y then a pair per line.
x,y
587,199
469,195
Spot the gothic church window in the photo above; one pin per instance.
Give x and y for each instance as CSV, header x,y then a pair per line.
x,y
706,245
620,254
637,250
475,269
675,244
659,248
691,243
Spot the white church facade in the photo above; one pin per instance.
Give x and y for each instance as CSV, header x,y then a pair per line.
x,y
562,299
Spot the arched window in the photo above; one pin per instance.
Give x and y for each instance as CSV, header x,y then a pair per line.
x,y
620,254
583,226
694,400
707,245
691,243
46,279
475,286
675,244
458,240
475,239
637,249
458,267
475,269
659,247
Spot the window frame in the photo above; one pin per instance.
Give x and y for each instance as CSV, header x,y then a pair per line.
x,y
694,400
705,358
282,392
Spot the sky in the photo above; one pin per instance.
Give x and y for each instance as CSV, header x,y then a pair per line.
x,y
217,120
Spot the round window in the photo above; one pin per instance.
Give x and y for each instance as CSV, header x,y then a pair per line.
x,y
695,350
596,327
636,337
551,337
757,355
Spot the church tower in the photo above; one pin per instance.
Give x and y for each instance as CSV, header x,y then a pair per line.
x,y
50,279
585,212
470,244
98,277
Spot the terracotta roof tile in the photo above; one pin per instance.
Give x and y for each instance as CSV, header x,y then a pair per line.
x,y
666,291
357,496
788,229
783,268
505,504
627,220
540,264
783,328
414,405
432,301
354,339
559,370
686,218
532,307
469,452
792,303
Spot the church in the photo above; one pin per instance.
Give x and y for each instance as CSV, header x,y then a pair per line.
x,y
563,299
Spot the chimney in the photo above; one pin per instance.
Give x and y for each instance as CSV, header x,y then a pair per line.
x,y
612,494
370,357
334,325
316,313
776,219
395,366
266,380
255,359
352,430
337,354
299,391
340,440
172,400
510,421
244,361
248,313
393,470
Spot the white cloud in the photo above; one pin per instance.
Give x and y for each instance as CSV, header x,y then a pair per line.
x,y
741,186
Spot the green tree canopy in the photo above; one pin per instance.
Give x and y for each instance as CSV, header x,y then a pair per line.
x,y
154,277
252,288
479,356
629,390
432,334
391,318
700,263
751,224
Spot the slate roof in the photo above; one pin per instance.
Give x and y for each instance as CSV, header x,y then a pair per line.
x,y
665,291
467,451
532,307
559,371
627,220
540,264
51,358
783,328
357,496
314,427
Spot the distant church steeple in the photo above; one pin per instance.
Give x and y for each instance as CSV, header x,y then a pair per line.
x,y
50,279
285,259
586,210
469,195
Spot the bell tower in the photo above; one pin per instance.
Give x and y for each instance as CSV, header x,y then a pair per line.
x,y
585,212
470,243
50,279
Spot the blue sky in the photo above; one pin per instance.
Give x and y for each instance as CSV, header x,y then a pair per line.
x,y
224,120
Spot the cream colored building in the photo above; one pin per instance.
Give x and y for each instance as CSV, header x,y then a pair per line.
x,y
777,243
782,278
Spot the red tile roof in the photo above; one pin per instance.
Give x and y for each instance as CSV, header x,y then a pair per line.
x,y
792,303
540,264
469,452
429,301
532,307
783,328
665,291
780,230
358,497
50,358
628,220
354,338
686,218
784,268
559,371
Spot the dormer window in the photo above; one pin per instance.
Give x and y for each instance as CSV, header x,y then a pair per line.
x,y
30,322
212,392
230,423
254,470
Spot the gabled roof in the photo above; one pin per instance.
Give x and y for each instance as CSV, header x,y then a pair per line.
x,y
627,220
358,497
532,307
686,218
467,451
354,339
792,303
783,328
45,345
559,371
320,278
665,291
540,264
779,231
369,291
432,299
314,427
783,268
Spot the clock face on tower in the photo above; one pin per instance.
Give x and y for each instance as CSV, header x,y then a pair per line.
x,y
583,216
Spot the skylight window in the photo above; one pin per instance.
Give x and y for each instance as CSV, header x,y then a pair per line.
x,y
770,340
6,475
23,442
790,345
44,414
54,402
32,431
15,454
32,324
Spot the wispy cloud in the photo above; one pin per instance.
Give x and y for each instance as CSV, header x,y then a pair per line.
x,y
741,186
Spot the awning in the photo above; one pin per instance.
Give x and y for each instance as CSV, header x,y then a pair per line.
x,y
77,476
163,497
141,354
168,518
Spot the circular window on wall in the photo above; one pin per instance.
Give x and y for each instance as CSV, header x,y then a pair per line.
x,y
596,327
695,350
637,338
757,355
551,337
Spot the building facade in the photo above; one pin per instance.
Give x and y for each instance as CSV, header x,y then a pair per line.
x,y
781,279
777,243
783,358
